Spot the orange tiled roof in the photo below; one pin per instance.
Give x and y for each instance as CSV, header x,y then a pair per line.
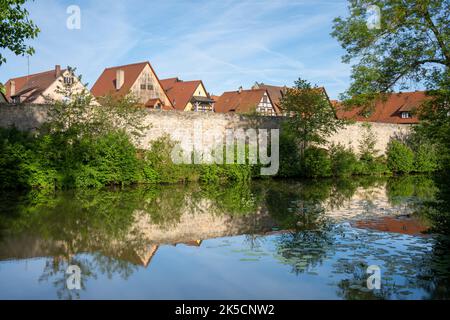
x,y
106,83
276,92
35,83
215,98
180,92
386,111
241,101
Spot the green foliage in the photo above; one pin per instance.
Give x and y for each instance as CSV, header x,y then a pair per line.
x,y
372,166
290,159
52,161
108,160
426,158
159,167
313,118
15,28
434,124
400,157
316,163
411,46
343,161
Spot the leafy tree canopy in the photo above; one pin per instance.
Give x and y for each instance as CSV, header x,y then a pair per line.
x,y
411,45
312,116
15,28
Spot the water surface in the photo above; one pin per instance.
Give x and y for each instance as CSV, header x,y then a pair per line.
x,y
267,240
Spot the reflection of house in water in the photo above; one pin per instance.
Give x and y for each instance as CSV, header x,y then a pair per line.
x,y
142,240
403,225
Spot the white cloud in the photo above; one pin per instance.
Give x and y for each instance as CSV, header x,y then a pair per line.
x,y
225,43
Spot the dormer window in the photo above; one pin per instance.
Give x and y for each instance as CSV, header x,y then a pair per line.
x,y
406,115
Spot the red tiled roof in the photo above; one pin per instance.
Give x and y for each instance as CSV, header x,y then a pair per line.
x,y
276,92
152,102
386,110
180,92
106,83
241,101
35,84
215,98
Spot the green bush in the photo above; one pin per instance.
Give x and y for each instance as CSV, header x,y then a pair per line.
x,y
316,163
109,159
400,157
290,160
159,167
343,161
369,165
426,158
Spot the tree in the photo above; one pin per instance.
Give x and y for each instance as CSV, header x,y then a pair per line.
x,y
412,44
78,114
434,126
312,117
15,28
400,158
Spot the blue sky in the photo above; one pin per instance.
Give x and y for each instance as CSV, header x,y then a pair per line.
x,y
226,43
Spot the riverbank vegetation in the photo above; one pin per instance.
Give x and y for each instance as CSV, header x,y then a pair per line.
x,y
85,146
305,153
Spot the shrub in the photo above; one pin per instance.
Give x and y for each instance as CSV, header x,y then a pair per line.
x,y
369,165
400,157
426,159
343,161
316,163
159,166
290,160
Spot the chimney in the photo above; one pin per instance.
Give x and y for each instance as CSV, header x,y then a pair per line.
x,y
12,89
120,79
240,89
57,70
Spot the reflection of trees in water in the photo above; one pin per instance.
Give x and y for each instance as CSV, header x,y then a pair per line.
x,y
434,209
100,222
314,239
55,272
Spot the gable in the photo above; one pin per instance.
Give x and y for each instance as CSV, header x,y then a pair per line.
x,y
135,75
51,91
147,86
32,86
106,83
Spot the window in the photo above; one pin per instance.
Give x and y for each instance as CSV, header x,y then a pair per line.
x,y
406,115
68,80
16,99
149,87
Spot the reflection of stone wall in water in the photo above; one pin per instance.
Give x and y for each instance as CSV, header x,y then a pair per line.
x,y
144,237
180,125
369,202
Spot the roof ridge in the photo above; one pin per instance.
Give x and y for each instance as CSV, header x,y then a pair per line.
x,y
246,90
127,65
35,74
